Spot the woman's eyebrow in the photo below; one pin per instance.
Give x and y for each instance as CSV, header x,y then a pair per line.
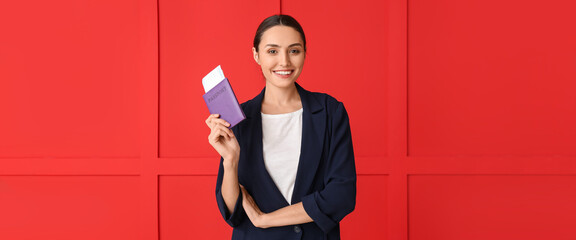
x,y
277,46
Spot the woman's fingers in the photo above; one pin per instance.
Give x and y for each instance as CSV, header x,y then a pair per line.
x,y
210,117
247,199
214,120
224,131
215,136
222,122
221,137
220,131
251,208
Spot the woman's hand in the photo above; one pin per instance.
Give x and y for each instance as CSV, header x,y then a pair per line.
x,y
252,210
222,138
289,215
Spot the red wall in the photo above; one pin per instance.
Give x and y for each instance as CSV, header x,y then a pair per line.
x,y
462,114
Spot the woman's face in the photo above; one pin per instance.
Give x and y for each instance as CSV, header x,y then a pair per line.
x,y
281,55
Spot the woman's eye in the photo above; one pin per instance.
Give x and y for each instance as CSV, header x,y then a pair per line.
x,y
272,51
295,51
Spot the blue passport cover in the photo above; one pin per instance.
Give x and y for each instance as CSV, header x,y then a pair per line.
x,y
222,100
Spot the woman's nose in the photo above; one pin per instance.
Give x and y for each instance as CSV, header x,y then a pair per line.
x,y
285,60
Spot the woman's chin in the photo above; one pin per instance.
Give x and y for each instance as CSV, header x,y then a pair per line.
x,y
282,83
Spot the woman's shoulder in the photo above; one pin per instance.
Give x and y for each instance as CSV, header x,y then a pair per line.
x,y
329,102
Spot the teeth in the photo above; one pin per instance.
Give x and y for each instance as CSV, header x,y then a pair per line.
x,y
283,72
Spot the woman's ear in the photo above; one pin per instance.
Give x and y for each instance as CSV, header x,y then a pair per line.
x,y
255,53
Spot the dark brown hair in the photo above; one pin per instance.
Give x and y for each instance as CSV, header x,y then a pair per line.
x,y
278,20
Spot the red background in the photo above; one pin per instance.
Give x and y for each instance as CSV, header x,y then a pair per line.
x,y
462,114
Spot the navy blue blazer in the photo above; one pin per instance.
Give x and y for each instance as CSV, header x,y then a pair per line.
x,y
325,179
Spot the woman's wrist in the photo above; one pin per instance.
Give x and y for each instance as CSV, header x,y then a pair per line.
x,y
231,162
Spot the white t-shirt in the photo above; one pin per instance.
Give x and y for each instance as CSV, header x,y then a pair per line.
x,y
281,138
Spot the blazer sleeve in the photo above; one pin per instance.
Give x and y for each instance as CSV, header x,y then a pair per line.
x,y
338,198
232,218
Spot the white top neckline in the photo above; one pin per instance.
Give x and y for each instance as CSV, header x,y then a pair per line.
x,y
282,114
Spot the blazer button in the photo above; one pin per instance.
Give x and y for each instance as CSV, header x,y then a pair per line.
x,y
297,229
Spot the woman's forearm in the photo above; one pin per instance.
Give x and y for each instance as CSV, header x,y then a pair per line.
x,y
230,188
290,215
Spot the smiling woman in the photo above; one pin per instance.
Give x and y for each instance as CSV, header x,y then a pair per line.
x,y
287,171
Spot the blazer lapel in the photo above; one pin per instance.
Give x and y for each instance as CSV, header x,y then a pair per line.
x,y
313,129
255,118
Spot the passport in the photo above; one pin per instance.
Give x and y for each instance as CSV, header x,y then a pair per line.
x,y
220,97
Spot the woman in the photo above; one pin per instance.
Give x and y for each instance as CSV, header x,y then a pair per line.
x,y
287,171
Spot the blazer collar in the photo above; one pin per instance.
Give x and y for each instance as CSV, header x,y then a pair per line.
x,y
313,131
309,103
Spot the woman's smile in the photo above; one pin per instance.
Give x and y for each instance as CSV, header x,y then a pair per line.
x,y
283,73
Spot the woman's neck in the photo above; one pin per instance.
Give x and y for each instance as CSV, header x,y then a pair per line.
x,y
281,100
